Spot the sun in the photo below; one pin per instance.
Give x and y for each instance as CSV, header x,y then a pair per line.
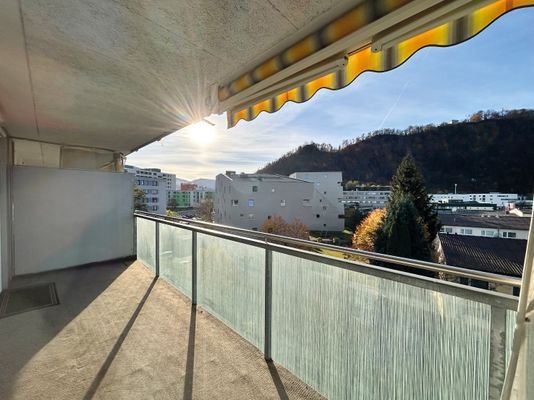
x,y
201,133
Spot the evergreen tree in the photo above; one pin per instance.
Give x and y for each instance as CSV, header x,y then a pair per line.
x,y
172,204
140,199
409,181
402,234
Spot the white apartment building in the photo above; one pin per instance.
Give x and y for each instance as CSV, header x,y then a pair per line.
x,y
170,179
503,226
155,184
499,199
247,200
367,199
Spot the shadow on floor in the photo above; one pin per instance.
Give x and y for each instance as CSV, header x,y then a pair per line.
x,y
190,363
277,381
116,347
24,335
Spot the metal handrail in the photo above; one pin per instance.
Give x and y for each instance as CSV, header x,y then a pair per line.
x,y
308,244
495,299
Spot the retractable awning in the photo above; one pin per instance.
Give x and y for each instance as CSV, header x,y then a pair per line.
x,y
374,36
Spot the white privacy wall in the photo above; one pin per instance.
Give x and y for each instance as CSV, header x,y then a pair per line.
x,y
64,218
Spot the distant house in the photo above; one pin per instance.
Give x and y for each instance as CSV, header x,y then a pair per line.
x,y
495,255
503,226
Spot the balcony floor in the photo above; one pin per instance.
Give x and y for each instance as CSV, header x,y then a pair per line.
x,y
119,334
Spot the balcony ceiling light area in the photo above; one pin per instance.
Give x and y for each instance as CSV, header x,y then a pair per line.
x,y
121,74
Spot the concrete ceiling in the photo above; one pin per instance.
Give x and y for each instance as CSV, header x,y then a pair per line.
x,y
118,74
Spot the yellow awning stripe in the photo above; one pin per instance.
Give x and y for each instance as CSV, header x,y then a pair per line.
x,y
447,34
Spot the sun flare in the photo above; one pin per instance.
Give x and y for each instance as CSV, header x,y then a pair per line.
x,y
201,133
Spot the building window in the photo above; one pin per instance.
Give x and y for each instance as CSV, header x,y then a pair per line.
x,y
510,235
282,203
318,216
251,202
273,190
466,231
324,207
235,202
254,229
306,202
254,188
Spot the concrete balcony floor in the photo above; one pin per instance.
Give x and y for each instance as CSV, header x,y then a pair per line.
x,y
120,334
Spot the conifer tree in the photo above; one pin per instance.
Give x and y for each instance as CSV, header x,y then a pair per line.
x,y
402,233
409,181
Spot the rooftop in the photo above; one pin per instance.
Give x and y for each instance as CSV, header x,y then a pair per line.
x,y
496,255
486,221
261,177
119,333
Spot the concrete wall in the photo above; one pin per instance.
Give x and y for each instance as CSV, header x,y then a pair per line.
x,y
5,215
288,198
64,218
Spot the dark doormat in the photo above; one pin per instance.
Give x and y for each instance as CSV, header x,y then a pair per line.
x,y
19,300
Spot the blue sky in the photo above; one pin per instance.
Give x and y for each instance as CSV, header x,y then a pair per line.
x,y
494,70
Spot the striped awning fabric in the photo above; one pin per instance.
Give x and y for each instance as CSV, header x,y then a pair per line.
x,y
450,32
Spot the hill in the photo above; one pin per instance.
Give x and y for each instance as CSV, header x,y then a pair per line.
x,y
490,151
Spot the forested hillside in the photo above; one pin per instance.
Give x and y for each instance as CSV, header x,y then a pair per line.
x,y
490,151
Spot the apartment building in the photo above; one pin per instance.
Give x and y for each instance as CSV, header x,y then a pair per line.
x,y
367,198
497,198
155,184
170,179
247,200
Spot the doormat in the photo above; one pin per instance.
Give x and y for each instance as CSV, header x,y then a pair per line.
x,y
29,298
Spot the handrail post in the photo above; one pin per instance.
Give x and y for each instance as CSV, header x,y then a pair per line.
x,y
497,367
194,259
157,249
268,304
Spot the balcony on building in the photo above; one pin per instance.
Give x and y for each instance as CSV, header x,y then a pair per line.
x,y
122,304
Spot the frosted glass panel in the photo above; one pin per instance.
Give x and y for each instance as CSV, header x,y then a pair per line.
x,y
146,242
231,285
175,257
510,327
355,336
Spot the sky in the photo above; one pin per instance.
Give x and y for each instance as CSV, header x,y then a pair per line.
x,y
494,70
